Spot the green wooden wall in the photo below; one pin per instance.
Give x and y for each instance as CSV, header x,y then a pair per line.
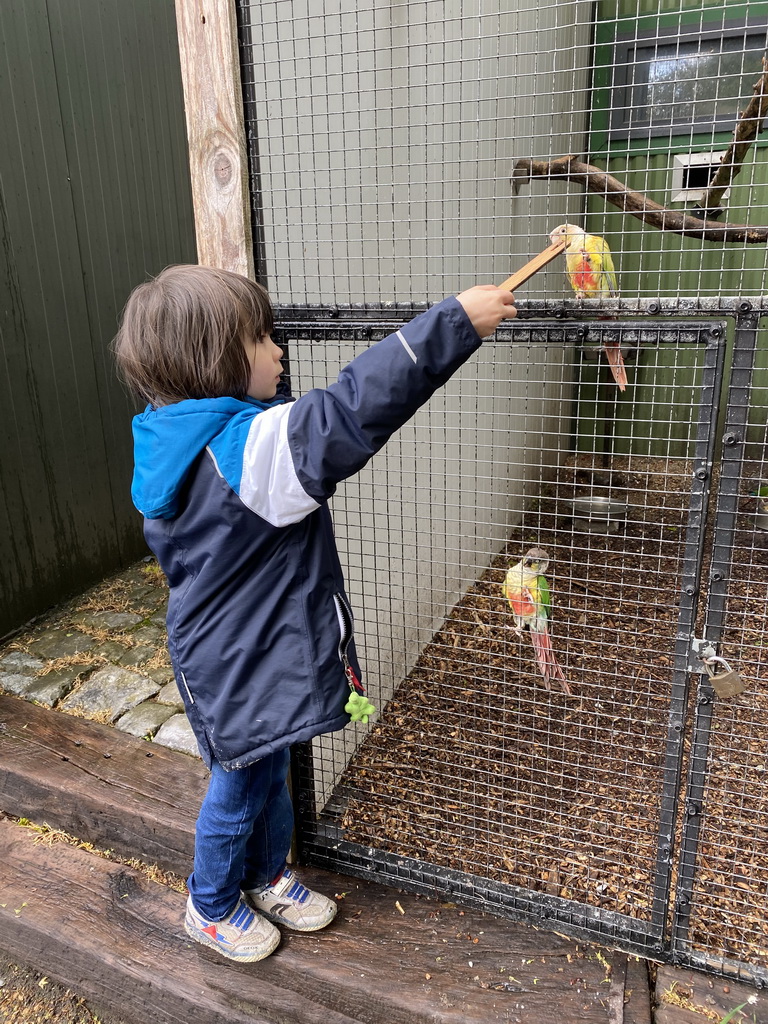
x,y
653,263
94,196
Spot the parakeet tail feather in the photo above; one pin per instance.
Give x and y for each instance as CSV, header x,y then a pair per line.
x,y
616,363
548,664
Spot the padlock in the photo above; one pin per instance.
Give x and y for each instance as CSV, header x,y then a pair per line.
x,y
727,682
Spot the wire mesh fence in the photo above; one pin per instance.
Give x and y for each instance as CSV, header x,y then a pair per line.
x,y
401,152
388,136
723,851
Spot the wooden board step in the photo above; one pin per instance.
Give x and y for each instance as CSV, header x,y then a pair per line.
x,y
102,785
116,937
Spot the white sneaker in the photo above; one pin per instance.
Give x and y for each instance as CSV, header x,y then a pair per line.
x,y
242,935
289,902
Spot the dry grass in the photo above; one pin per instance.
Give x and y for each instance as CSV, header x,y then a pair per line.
x,y
47,836
103,717
159,660
116,594
30,997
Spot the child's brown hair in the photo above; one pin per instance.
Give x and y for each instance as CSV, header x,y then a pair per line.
x,y
181,334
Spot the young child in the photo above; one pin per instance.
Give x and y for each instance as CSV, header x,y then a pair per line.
x,y
232,477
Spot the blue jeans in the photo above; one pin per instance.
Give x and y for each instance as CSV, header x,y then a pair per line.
x,y
243,833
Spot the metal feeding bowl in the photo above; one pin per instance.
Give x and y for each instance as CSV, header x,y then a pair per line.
x,y
597,513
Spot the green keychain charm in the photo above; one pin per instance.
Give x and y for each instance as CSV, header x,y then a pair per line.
x,y
358,707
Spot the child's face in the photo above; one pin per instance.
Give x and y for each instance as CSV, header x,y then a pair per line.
x,y
264,359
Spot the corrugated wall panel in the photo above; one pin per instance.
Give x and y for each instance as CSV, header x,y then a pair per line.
x,y
95,196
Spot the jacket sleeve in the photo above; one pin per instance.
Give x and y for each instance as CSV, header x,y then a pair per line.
x,y
291,457
333,432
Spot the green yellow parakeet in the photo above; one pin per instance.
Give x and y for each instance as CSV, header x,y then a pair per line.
x,y
590,270
527,590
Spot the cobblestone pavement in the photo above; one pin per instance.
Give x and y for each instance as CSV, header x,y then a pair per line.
x,y
100,656
103,656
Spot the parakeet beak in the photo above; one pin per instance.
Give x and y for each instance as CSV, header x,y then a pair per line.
x,y
558,235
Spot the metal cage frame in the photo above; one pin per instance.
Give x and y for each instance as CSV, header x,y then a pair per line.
x,y
722,419
664,936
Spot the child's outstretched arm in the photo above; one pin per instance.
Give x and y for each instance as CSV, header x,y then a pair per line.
x,y
334,432
294,455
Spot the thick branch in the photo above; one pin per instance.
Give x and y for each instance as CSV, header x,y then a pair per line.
x,y
749,125
570,168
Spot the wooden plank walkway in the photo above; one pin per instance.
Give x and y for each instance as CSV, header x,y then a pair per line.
x,y
99,784
113,935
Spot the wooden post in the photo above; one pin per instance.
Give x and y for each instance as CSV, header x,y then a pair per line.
x,y
218,163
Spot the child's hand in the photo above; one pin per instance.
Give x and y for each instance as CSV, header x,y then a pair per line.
x,y
486,306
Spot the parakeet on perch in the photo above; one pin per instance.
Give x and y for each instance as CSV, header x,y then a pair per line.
x,y
527,590
590,270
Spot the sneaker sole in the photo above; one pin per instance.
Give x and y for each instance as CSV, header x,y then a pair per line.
x,y
243,958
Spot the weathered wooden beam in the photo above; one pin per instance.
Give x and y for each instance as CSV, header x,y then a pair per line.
x,y
99,784
218,163
116,938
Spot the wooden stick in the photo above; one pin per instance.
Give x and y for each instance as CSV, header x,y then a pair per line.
x,y
533,266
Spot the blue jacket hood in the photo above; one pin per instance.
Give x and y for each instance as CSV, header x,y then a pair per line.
x,y
169,439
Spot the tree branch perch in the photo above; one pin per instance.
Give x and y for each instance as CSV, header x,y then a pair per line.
x,y
748,127
636,204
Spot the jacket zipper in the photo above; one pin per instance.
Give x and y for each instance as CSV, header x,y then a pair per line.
x,y
346,628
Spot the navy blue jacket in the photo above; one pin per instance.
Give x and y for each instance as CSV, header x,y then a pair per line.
x,y
234,498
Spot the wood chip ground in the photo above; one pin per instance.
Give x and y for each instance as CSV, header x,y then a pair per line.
x,y
474,765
